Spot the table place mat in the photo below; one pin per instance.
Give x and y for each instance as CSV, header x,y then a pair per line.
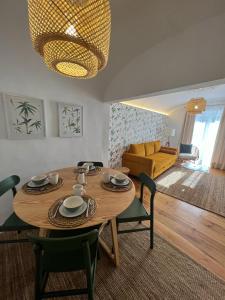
x,y
43,189
96,171
55,218
113,188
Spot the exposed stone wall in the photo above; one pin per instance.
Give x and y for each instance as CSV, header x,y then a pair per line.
x,y
130,125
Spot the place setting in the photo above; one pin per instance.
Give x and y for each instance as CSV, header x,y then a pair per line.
x,y
88,168
116,183
72,210
43,183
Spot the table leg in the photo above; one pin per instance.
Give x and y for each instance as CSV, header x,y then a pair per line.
x,y
115,241
115,255
43,232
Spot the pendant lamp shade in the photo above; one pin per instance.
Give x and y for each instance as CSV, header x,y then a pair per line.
x,y
196,105
73,36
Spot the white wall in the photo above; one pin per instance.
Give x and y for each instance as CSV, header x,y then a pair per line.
x,y
22,72
176,121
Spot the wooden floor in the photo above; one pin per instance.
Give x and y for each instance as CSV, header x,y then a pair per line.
x,y
198,233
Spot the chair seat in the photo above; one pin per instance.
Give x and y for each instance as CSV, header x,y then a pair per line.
x,y
135,211
14,223
189,156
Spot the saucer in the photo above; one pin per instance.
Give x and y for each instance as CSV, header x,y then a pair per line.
x,y
31,184
124,183
65,213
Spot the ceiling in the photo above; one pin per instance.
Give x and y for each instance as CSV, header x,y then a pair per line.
x,y
169,102
137,28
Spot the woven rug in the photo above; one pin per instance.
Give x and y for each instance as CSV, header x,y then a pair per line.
x,y
201,189
162,273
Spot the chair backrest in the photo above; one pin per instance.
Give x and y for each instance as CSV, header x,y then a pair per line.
x,y
9,184
66,254
149,183
195,151
96,163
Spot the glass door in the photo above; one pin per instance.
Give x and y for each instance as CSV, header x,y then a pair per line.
x,y
205,132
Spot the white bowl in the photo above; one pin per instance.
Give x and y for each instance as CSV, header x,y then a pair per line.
x,y
39,178
89,164
120,177
73,202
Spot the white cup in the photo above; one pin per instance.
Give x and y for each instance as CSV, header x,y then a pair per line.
x,y
53,178
81,178
86,167
78,190
106,177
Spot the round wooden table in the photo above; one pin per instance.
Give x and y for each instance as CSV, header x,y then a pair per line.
x,y
33,209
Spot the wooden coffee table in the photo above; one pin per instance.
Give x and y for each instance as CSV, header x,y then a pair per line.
x,y
123,170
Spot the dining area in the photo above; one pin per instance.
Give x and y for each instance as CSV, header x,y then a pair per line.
x,y
72,218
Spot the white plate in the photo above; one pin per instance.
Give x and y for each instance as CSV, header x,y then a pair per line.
x,y
124,183
65,213
31,184
92,168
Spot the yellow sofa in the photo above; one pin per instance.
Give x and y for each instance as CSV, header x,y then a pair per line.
x,y
151,158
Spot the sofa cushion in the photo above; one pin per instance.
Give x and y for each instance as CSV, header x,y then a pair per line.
x,y
162,162
157,146
163,159
187,156
138,149
149,148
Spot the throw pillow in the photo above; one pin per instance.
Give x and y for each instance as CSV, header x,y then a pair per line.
x,y
185,148
157,146
149,148
138,149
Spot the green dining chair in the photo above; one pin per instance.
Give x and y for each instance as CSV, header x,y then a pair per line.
x,y
12,223
96,163
67,254
136,212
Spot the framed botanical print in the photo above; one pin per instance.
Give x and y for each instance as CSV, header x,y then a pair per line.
x,y
25,117
70,120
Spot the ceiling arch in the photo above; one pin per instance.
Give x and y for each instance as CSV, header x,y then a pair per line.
x,y
158,45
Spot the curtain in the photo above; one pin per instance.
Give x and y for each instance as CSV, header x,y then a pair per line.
x,y
205,132
188,128
218,158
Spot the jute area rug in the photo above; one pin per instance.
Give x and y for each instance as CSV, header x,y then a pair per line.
x,y
161,273
201,189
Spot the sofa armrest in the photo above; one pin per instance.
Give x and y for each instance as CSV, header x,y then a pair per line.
x,y
169,150
138,164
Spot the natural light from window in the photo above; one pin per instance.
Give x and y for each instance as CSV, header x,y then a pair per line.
x,y
192,180
205,132
171,179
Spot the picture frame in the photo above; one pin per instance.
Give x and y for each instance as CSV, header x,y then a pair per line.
x,y
70,117
25,117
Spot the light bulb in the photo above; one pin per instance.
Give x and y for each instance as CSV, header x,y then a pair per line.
x,y
71,30
196,106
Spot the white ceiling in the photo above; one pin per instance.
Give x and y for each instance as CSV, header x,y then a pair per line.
x,y
137,26
169,102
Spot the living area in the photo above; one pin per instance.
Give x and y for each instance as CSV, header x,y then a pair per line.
x,y
181,146
112,187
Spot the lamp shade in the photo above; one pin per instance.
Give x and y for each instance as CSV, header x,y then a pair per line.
x,y
72,36
196,106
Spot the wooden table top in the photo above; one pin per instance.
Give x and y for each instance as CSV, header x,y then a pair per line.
x,y
33,209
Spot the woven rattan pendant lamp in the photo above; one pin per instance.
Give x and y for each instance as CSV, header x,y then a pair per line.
x,y
72,36
196,105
